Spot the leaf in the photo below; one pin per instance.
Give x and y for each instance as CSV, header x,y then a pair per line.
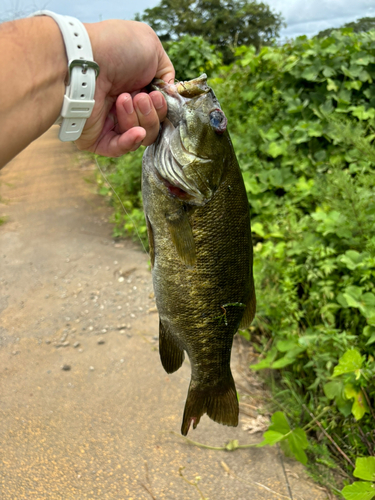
x,y
285,345
292,442
352,259
264,363
292,353
331,85
365,468
277,430
356,85
267,361
282,362
359,491
271,438
344,406
284,445
349,362
368,331
371,340
368,304
362,113
328,71
363,58
245,334
275,149
310,73
347,72
298,442
258,229
359,407
353,295
327,108
333,389
251,184
279,423
351,301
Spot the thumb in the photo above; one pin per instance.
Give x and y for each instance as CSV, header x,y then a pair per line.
x,y
165,70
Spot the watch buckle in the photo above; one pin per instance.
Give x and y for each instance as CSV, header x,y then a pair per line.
x,y
85,65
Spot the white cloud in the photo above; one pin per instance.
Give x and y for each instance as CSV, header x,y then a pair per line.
x,y
310,17
302,16
85,10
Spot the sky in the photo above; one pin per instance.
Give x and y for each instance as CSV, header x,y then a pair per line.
x,y
303,17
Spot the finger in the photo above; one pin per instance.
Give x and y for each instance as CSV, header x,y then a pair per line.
x,y
114,145
160,104
165,69
126,116
147,117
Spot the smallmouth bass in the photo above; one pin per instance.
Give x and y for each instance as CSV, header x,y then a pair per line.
x,y
198,225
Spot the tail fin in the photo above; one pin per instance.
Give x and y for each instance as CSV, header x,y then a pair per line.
x,y
219,402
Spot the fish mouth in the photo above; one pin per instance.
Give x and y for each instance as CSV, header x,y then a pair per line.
x,y
177,95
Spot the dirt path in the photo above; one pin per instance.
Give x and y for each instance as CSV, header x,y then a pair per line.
x,y
100,428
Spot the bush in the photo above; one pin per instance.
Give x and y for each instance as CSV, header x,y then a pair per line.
x,y
302,118
192,56
123,192
302,123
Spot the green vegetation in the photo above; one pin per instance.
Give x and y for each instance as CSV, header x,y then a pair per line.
x,y
362,490
223,23
192,56
124,175
362,24
302,120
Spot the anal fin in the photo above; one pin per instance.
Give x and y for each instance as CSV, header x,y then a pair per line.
x,y
182,235
171,354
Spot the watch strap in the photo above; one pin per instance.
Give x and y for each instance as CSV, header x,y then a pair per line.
x,y
82,72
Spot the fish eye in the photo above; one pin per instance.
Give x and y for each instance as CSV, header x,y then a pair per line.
x,y
218,121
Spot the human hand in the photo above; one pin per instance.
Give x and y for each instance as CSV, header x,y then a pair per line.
x,y
129,55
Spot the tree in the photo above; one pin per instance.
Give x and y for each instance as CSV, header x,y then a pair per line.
x,y
223,23
363,24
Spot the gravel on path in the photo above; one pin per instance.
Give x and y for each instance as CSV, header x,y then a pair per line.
x,y
86,410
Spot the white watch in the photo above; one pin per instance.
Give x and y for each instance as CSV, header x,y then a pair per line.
x,y
83,70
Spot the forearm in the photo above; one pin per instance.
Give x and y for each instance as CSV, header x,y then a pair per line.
x,y
33,67
33,70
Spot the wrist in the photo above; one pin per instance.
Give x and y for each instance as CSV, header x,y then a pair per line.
x,y
43,47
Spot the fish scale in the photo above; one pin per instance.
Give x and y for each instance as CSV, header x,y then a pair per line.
x,y
201,257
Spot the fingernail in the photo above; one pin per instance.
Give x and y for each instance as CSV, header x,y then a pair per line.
x,y
136,146
128,105
144,105
158,100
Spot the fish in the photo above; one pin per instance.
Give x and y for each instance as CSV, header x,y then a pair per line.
x,y
198,225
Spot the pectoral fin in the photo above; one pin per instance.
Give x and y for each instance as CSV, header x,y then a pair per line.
x,y
182,236
249,313
171,354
